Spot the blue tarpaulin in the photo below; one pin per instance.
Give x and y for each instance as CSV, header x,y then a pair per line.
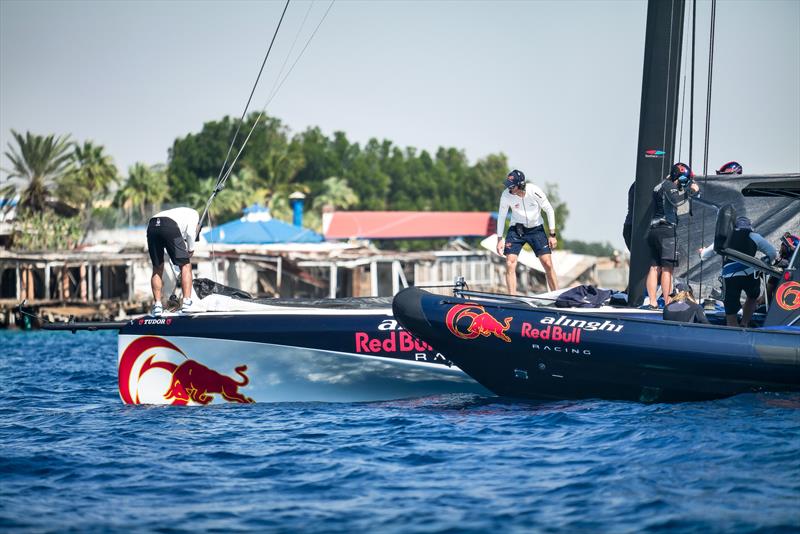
x,y
257,227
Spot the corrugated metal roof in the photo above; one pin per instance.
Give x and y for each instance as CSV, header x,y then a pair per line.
x,y
409,224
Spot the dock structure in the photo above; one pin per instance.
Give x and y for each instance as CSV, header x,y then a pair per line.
x,y
67,283
109,277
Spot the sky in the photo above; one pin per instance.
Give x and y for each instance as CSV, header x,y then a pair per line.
x,y
556,86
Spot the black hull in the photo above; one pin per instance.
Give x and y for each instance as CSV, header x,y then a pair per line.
x,y
544,353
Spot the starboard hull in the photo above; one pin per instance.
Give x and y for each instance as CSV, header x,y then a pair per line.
x,y
279,357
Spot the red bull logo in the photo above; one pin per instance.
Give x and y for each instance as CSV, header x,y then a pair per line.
x,y
188,380
468,321
788,296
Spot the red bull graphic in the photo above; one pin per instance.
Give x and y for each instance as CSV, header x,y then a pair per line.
x,y
481,323
189,380
788,296
552,333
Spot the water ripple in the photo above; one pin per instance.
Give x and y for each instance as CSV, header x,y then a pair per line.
x,y
73,458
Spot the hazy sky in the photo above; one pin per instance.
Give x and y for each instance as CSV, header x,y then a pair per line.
x,y
554,85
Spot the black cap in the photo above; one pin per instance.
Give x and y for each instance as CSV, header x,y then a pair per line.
x,y
680,286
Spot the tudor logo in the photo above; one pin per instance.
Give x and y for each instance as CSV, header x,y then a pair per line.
x,y
788,296
468,321
159,321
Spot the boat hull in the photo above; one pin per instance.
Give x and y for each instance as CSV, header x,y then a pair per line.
x,y
546,353
279,357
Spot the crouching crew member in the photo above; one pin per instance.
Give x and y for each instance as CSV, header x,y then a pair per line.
x,y
172,230
668,195
526,202
683,308
738,277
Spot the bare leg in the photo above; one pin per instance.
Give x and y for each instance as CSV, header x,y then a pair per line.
x,y
747,310
157,282
652,283
511,273
732,320
666,283
549,271
186,280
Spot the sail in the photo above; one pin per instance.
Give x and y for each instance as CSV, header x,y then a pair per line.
x,y
771,217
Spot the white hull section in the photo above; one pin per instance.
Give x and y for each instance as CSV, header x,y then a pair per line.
x,y
193,370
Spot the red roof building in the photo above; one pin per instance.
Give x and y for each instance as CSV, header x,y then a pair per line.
x,y
407,224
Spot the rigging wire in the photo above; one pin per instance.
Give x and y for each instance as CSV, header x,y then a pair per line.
x,y
283,66
220,180
680,141
684,68
708,117
263,110
667,92
291,48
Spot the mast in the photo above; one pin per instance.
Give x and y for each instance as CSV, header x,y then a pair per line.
x,y
657,123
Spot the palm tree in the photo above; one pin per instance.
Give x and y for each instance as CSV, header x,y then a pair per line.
x,y
146,186
91,178
240,190
37,163
336,192
278,165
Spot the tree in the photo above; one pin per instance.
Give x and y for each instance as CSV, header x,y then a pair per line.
x,y
240,191
559,206
91,177
198,158
335,192
37,163
145,187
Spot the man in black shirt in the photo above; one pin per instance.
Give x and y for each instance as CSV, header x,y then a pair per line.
x,y
668,195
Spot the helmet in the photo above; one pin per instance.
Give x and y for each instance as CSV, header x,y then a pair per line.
x,y
789,243
515,178
732,167
681,172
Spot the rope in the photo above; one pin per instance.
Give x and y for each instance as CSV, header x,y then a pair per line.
x,y
708,118
220,179
263,110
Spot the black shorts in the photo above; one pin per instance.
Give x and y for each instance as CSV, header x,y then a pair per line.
x,y
535,237
733,286
163,233
663,243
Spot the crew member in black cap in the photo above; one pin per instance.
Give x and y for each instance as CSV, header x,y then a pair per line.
x,y
526,202
668,195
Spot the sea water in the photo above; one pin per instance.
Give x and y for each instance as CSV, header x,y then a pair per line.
x,y
73,457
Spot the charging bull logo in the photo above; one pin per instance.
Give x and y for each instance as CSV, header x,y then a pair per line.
x,y
188,380
481,323
788,296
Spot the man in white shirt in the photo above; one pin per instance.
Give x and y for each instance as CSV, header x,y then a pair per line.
x,y
526,202
173,230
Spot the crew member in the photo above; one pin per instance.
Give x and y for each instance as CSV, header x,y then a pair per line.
x,y
732,167
668,195
683,308
738,277
526,202
789,244
173,230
